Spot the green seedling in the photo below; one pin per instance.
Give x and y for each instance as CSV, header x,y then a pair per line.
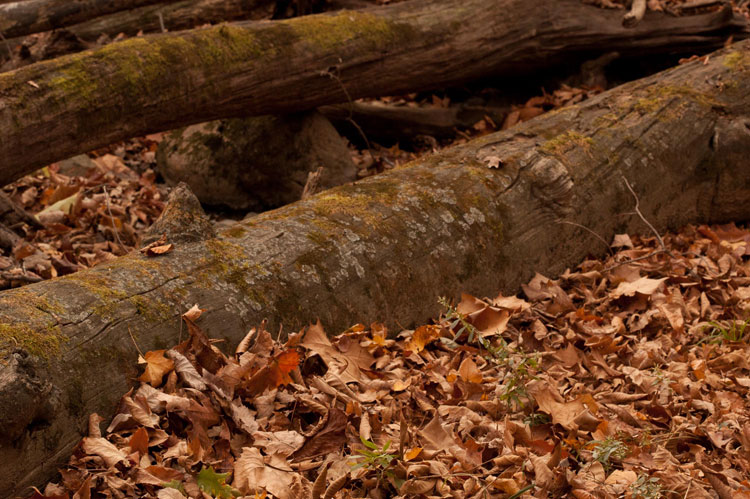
x,y
729,331
519,366
608,451
537,419
646,487
378,460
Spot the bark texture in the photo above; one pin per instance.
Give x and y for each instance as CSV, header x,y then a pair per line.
x,y
179,15
32,16
478,218
55,109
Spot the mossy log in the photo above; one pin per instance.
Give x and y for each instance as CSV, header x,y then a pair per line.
x,y
55,109
478,218
34,16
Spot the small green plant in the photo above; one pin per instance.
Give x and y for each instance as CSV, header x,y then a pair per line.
x,y
519,373
608,451
731,331
377,459
518,366
459,325
646,487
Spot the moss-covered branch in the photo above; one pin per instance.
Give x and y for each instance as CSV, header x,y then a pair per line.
x,y
54,109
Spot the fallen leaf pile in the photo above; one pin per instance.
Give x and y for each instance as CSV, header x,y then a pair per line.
x,y
628,377
91,210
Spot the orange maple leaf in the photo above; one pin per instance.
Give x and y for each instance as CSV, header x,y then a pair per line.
x,y
156,367
275,374
421,337
282,365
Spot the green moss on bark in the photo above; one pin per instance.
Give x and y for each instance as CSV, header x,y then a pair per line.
x,y
44,342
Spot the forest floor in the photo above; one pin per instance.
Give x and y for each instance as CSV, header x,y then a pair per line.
x,y
627,377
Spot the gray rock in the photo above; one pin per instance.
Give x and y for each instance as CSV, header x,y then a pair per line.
x,y
77,166
256,163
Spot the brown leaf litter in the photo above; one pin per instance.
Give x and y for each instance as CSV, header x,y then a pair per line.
x,y
91,211
622,378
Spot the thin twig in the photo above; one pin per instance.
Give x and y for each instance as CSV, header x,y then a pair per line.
x,y
134,343
606,244
161,23
350,118
180,318
637,211
632,260
640,215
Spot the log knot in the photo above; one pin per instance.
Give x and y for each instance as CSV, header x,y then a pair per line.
x,y
27,399
552,185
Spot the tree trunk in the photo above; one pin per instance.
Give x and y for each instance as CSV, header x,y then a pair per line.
x,y
34,16
180,15
479,218
55,109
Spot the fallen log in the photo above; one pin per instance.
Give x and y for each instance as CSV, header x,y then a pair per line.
x,y
34,16
173,16
58,108
475,218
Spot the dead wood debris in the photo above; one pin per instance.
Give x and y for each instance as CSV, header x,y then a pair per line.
x,y
624,383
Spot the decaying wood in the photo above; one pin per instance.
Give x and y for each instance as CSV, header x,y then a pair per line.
x,y
54,109
33,16
477,218
172,16
11,215
401,122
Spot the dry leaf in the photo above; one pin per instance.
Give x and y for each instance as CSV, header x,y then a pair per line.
x,y
156,367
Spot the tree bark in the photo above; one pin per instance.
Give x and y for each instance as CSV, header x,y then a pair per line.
x,y
478,218
55,109
34,16
180,15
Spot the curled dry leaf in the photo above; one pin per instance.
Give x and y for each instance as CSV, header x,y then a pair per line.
x,y
194,313
158,247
